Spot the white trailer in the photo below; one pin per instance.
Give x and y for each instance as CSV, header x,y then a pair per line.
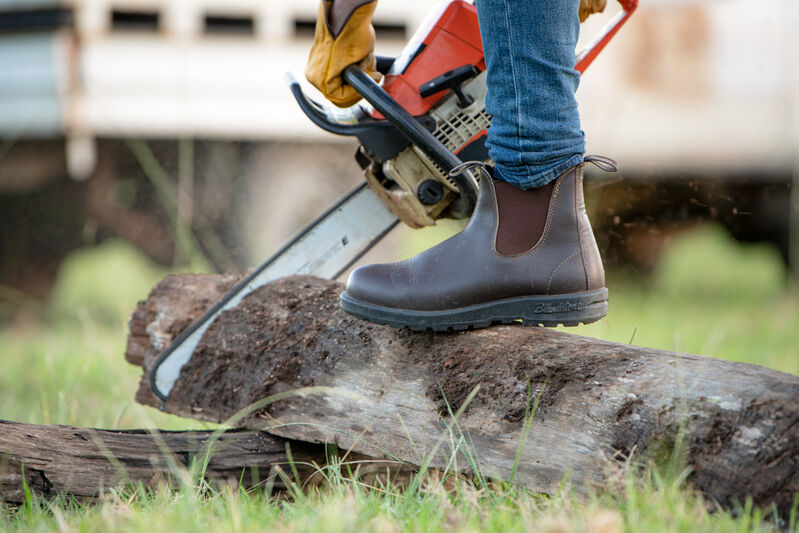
x,y
704,90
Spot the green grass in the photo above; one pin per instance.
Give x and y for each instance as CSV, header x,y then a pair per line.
x,y
653,504
63,364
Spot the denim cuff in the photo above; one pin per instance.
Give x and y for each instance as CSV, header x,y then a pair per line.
x,y
529,177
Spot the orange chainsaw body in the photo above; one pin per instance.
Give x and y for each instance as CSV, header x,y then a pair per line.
x,y
451,42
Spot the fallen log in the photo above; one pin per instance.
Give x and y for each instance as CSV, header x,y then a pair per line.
x,y
85,464
737,424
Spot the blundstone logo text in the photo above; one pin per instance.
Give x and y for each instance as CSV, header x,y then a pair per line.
x,y
564,307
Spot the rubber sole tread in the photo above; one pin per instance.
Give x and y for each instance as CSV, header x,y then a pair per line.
x,y
484,325
580,308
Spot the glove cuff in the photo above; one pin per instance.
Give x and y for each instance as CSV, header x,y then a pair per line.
x,y
339,12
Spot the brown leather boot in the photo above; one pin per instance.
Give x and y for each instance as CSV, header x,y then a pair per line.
x,y
525,255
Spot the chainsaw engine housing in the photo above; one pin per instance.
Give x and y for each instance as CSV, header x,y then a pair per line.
x,y
440,78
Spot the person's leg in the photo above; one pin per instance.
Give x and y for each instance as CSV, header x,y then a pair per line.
x,y
529,49
528,252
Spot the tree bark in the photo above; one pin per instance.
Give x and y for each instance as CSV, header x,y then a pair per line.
x,y
393,390
86,463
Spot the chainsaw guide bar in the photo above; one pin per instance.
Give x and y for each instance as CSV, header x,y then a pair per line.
x,y
326,248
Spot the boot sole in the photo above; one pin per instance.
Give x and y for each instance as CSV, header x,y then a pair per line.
x,y
547,311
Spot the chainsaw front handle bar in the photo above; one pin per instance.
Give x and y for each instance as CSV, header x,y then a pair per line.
x,y
415,132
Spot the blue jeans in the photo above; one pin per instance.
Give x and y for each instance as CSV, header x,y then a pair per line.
x,y
529,49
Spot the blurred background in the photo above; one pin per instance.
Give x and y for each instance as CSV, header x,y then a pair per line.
x,y
141,137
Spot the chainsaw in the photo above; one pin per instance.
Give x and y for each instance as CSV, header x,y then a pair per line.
x,y
426,119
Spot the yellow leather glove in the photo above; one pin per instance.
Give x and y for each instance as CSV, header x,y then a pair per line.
x,y
344,36
589,7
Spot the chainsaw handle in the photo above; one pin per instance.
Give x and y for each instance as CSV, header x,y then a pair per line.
x,y
316,112
415,132
587,55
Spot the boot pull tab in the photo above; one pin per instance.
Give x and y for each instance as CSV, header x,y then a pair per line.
x,y
468,165
604,163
